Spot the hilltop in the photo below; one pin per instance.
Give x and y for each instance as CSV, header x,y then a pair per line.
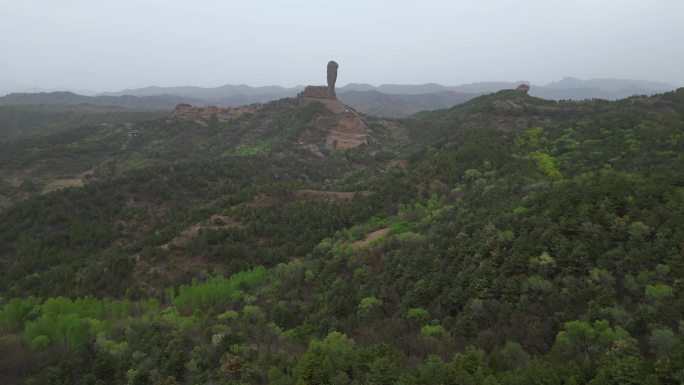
x,y
283,128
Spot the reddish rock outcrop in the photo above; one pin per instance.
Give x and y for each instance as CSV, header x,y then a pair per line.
x,y
349,131
321,94
201,115
523,88
318,92
183,110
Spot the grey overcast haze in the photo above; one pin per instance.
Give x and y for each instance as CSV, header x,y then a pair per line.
x,y
112,45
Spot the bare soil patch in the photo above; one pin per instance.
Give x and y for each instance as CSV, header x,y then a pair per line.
x,y
215,222
59,184
370,237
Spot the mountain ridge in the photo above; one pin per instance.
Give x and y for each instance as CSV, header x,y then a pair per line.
x,y
389,100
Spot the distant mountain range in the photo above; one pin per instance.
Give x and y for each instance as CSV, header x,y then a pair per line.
x,y
401,105
393,100
156,102
10,86
618,88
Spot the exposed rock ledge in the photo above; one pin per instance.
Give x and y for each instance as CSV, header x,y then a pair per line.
x,y
202,114
346,128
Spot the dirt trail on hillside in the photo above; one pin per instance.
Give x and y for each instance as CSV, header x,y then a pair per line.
x,y
370,237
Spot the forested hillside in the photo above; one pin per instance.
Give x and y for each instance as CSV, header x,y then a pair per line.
x,y
20,121
507,240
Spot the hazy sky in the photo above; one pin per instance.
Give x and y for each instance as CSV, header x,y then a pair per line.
x,y
111,45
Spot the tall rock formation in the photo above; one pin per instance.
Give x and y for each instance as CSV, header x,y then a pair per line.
x,y
347,129
332,76
523,88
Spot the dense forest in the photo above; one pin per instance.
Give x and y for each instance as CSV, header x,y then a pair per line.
x,y
506,240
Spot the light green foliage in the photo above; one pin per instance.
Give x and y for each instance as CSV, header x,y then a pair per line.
x,y
409,238
369,307
40,342
377,242
511,357
546,260
543,264
400,227
216,290
248,298
580,337
110,346
533,135
378,220
663,270
136,160
470,361
658,291
436,331
326,361
83,307
601,276
547,164
171,315
472,174
68,329
228,315
324,245
277,376
638,230
434,371
418,315
290,273
73,322
384,370
506,235
538,284
530,138
542,373
254,149
309,275
253,314
623,370
13,314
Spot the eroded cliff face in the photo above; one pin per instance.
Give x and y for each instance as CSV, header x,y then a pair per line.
x,y
317,92
336,127
346,128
